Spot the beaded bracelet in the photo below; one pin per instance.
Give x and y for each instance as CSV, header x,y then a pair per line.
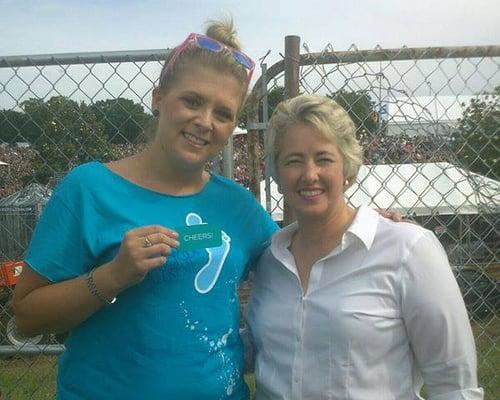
x,y
89,279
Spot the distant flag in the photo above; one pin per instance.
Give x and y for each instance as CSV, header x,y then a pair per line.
x,y
383,110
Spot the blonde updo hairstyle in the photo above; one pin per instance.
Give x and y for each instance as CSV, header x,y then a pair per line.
x,y
323,114
224,32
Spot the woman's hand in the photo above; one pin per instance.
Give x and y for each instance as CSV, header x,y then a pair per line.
x,y
394,216
141,250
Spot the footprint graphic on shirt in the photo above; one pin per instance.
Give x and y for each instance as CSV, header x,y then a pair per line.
x,y
207,276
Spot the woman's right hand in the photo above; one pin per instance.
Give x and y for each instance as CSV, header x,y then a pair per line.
x,y
142,249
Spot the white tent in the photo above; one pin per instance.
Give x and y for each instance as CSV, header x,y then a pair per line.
x,y
3,163
420,189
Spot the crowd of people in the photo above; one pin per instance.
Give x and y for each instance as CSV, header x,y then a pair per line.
x,y
17,168
405,149
380,149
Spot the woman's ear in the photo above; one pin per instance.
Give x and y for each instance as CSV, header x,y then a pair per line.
x,y
156,100
278,185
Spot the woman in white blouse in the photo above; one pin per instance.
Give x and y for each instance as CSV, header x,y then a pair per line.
x,y
348,304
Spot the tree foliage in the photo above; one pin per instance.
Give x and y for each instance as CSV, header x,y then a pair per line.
x,y
357,104
123,120
477,139
360,108
67,134
12,126
274,97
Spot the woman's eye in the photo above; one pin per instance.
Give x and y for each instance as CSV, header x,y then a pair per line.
x,y
292,162
192,101
224,116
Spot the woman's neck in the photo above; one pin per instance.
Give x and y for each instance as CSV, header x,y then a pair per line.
x,y
324,234
163,175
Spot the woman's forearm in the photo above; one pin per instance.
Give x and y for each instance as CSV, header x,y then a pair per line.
x,y
61,306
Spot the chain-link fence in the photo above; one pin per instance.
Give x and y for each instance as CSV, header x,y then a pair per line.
x,y
429,123
428,120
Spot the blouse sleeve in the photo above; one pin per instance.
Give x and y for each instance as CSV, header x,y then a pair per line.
x,y
437,323
58,249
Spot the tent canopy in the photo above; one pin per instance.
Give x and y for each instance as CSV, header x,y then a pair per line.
x,y
420,189
32,195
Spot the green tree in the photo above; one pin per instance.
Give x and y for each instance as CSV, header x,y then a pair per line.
x,y
12,125
123,120
36,113
477,139
358,104
274,97
68,134
360,108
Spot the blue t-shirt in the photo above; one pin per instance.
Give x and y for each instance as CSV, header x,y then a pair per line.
x,y
175,335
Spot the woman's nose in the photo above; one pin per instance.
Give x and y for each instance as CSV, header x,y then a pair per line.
x,y
310,172
204,120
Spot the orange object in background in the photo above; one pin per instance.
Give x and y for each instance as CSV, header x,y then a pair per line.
x,y
9,272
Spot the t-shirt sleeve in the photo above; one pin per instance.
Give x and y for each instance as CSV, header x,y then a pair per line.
x,y
57,249
263,227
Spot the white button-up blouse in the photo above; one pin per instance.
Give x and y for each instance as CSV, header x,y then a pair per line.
x,y
382,314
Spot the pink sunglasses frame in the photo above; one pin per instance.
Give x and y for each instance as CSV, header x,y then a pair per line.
x,y
193,38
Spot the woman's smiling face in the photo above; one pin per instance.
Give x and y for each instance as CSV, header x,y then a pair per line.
x,y
310,172
197,115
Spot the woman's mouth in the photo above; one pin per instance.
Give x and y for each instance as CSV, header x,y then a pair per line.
x,y
195,140
310,193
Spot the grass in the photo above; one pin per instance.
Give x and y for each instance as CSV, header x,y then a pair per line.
x,y
28,378
34,378
487,334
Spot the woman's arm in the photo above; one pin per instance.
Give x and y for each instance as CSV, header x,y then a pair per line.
x,y
248,350
437,323
42,307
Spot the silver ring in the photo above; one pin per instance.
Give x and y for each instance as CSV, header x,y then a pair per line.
x,y
147,242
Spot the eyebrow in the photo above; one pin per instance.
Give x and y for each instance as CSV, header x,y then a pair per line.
x,y
299,154
203,98
296,154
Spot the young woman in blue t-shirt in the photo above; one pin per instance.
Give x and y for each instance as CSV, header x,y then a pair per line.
x,y
148,319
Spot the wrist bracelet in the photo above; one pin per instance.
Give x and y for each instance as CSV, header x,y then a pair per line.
x,y
89,280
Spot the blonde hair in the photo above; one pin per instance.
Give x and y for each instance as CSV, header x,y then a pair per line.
x,y
328,117
224,32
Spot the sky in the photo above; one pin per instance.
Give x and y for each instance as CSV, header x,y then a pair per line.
x,y
29,27
60,26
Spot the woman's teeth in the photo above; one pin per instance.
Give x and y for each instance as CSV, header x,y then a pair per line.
x,y
195,139
309,193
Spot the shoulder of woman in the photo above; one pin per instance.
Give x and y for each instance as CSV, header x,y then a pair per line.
x,y
231,186
81,176
402,229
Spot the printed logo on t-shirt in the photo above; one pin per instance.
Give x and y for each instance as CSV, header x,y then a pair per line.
x,y
207,276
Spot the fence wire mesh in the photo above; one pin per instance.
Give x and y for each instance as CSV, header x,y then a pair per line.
x,y
428,120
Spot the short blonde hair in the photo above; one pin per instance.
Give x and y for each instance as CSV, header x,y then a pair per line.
x,y
328,117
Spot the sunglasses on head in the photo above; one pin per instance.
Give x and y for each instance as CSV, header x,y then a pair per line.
x,y
207,43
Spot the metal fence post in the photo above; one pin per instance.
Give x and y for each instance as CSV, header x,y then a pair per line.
x,y
265,119
292,71
227,159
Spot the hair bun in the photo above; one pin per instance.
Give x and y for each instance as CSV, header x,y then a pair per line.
x,y
223,31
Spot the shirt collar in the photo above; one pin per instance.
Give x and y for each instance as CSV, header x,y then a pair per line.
x,y
283,238
364,227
